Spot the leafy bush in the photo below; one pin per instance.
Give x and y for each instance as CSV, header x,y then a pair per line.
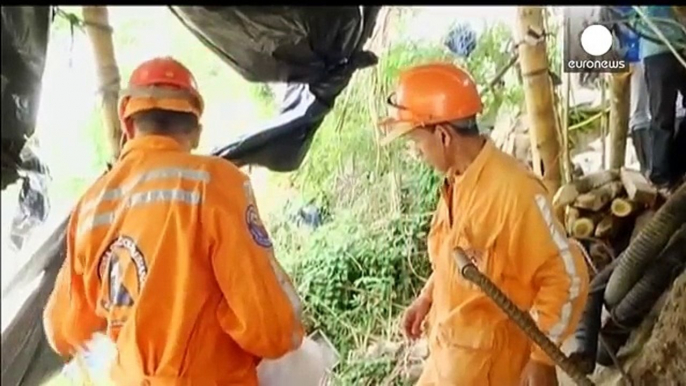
x,y
359,270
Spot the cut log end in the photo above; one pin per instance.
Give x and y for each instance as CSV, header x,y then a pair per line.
x,y
583,228
622,207
572,214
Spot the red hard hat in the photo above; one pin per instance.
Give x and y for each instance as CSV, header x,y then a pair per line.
x,y
430,94
161,83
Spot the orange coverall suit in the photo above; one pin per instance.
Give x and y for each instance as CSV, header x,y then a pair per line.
x,y
500,214
166,252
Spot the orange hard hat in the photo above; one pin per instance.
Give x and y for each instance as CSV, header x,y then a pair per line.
x,y
161,83
430,94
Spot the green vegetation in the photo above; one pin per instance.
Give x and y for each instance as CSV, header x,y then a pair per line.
x,y
362,267
358,271
231,102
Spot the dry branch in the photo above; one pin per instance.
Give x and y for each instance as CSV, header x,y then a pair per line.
x,y
569,192
637,187
597,199
608,227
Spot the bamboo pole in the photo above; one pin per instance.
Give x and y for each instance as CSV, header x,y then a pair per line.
x,y
538,94
603,120
620,94
96,23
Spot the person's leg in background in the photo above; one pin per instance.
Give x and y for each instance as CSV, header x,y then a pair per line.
x,y
662,74
639,118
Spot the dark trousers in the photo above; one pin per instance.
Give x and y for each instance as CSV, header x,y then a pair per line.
x,y
641,140
665,77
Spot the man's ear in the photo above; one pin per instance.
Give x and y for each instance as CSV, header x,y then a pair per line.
x,y
127,127
444,134
195,140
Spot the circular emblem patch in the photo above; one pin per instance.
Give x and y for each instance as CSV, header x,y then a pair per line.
x,y
257,230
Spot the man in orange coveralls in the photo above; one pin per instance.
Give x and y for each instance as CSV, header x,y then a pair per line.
x,y
500,214
167,255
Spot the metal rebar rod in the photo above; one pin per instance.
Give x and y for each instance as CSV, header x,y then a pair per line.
x,y
520,318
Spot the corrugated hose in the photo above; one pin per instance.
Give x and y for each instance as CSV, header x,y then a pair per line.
x,y
470,272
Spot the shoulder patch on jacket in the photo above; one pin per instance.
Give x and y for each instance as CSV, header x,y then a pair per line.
x,y
256,228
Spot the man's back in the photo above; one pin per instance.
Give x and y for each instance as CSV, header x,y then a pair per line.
x,y
158,246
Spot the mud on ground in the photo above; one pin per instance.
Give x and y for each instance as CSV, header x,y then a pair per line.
x,y
663,358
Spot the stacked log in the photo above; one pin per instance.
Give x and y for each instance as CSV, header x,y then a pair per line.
x,y
603,210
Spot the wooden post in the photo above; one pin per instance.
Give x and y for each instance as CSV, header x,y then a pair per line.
x,y
538,94
97,25
620,95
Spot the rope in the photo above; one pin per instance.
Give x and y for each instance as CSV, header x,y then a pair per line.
x,y
499,76
76,21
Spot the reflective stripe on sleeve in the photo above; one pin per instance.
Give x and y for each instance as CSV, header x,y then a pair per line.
x,y
291,294
565,254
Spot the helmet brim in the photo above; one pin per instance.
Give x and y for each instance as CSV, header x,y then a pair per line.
x,y
137,105
394,129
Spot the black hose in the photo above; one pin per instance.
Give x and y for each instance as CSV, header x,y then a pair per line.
x,y
637,304
646,246
613,337
640,300
586,334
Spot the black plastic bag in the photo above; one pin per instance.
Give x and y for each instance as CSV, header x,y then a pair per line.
x,y
315,50
24,46
34,203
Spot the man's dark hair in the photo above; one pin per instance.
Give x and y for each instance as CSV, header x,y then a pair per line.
x,y
165,122
465,127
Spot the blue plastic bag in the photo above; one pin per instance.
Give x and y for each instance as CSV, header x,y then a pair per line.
x,y
461,40
630,44
629,41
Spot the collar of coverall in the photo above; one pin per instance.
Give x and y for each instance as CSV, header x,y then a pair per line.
x,y
471,175
150,142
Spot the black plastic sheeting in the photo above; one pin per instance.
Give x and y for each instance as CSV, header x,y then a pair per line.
x,y
34,203
315,50
24,45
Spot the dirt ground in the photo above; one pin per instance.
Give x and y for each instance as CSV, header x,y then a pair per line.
x,y
663,358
